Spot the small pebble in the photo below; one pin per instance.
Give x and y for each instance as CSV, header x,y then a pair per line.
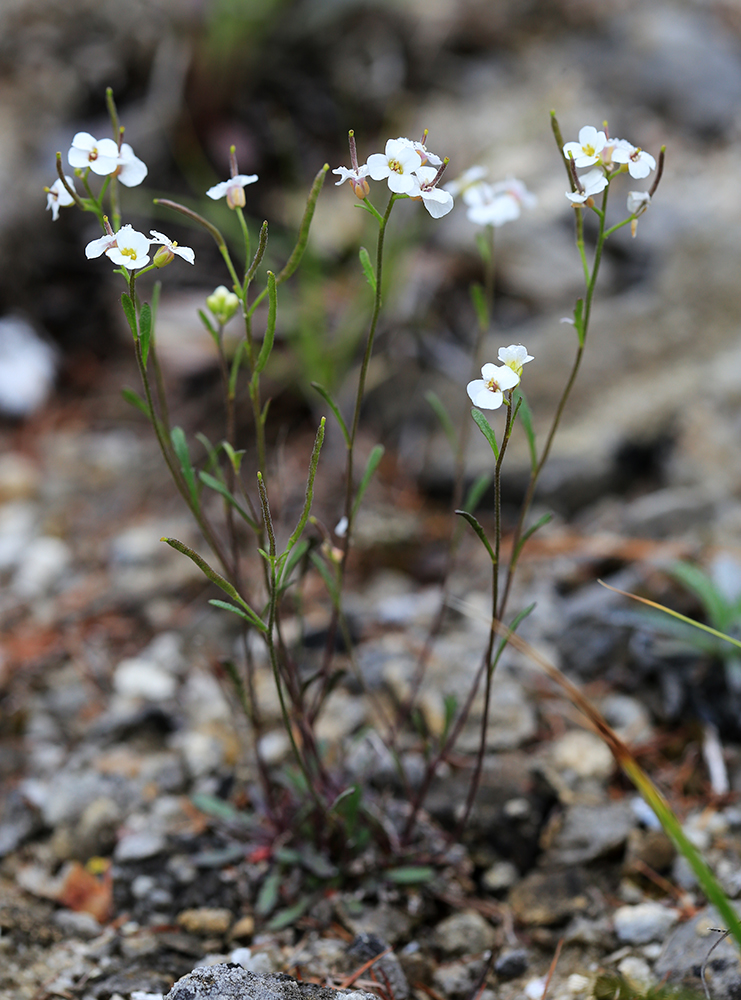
x,y
644,922
205,921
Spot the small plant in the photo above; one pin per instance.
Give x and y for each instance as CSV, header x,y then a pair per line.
x,y
323,820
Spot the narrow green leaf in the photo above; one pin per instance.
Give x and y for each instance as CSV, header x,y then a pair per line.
x,y
136,400
444,417
478,297
145,331
372,464
219,487
248,615
451,707
410,874
209,326
267,898
156,291
334,408
480,532
526,419
579,321
545,519
181,450
297,554
479,487
484,246
213,458
485,427
518,619
284,918
309,495
303,234
207,571
329,582
213,806
267,343
368,271
716,607
129,313
235,457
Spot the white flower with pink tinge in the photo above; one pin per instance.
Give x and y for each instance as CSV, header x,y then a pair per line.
x,y
640,163
397,165
515,356
593,182
586,151
57,196
128,248
488,391
101,155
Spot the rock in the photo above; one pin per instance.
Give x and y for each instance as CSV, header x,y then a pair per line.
x,y
205,921
95,834
137,677
77,924
637,973
585,832
550,897
583,753
501,875
644,922
232,982
687,948
512,963
383,921
457,979
388,970
244,928
42,566
465,933
140,845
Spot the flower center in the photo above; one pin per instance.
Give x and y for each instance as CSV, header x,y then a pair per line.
x,y
492,385
128,252
396,167
588,150
93,154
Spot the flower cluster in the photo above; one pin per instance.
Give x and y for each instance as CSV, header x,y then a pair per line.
x,y
606,157
130,249
104,157
491,204
407,166
488,391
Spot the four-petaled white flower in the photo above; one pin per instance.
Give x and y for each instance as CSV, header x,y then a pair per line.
x,y
57,196
586,151
437,202
640,163
488,391
425,155
397,165
101,155
593,182
168,249
495,204
128,248
131,171
356,176
469,178
514,357
233,189
638,202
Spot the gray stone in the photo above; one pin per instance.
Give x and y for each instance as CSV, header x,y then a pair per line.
x,y
688,946
512,963
588,832
550,897
387,970
644,922
465,933
231,982
137,846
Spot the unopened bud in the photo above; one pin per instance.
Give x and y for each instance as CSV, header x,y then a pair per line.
x,y
235,196
222,304
360,186
163,257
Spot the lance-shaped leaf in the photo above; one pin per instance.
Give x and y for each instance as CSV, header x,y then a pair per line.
x,y
248,615
485,427
329,581
526,419
478,297
210,573
480,532
371,465
209,326
215,484
181,450
145,331
579,321
267,344
368,271
129,313
309,495
136,400
444,417
545,519
334,408
479,486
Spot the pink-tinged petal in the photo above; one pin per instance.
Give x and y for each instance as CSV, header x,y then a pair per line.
x,y
99,246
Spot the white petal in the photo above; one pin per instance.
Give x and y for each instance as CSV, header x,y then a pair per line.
x,y
218,190
438,203
186,253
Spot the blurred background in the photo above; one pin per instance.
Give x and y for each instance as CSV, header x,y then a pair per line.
x,y
656,411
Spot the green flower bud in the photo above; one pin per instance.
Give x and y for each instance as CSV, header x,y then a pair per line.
x,y
222,304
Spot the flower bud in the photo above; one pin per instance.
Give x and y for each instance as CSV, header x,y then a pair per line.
x,y
235,196
163,257
222,304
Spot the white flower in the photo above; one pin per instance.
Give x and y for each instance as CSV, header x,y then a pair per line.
x,y
514,357
424,153
437,202
640,163
593,182
396,164
586,151
467,179
57,196
131,170
127,248
638,202
233,189
495,204
101,155
341,527
356,176
168,248
487,392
